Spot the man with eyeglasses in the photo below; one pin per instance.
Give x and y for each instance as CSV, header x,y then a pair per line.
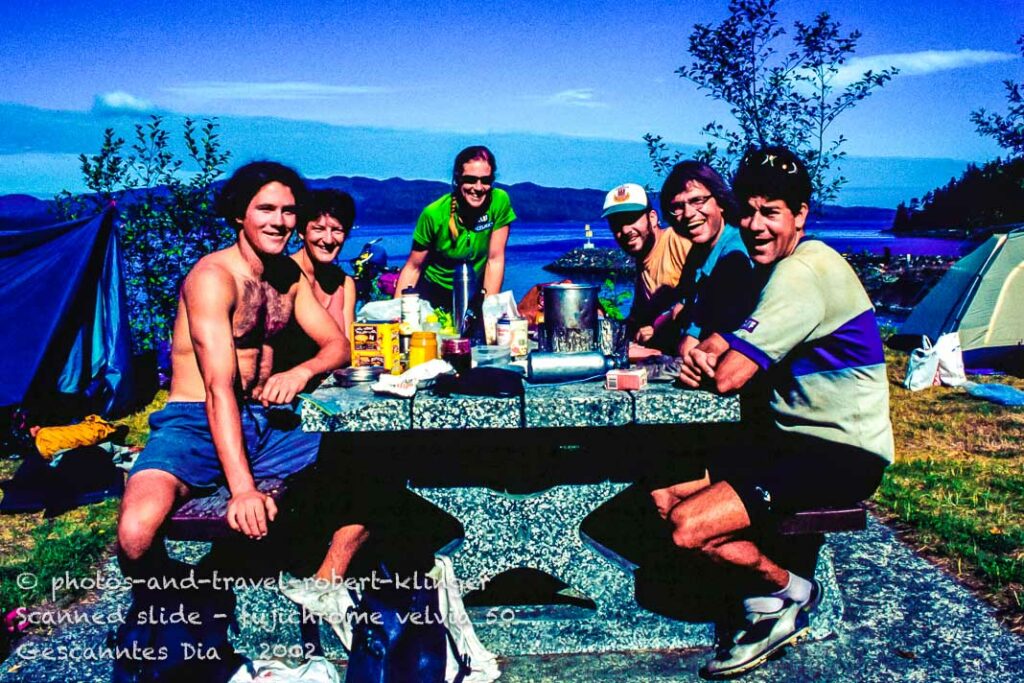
x,y
813,341
659,255
719,284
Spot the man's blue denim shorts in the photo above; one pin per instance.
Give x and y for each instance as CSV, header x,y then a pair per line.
x,y
180,443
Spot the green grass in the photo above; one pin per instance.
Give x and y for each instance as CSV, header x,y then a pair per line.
x,y
70,544
956,489
73,543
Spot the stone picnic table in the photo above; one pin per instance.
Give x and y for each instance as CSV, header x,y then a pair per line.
x,y
590,442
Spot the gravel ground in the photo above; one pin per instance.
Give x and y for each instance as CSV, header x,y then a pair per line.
x,y
905,621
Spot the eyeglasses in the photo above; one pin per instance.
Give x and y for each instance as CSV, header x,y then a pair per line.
x,y
678,209
474,179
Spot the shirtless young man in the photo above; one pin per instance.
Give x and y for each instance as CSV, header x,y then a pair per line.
x,y
214,427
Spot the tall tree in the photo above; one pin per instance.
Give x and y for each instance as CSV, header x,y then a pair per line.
x,y
790,98
1007,130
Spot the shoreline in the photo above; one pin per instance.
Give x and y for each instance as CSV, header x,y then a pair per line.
x,y
976,235
894,282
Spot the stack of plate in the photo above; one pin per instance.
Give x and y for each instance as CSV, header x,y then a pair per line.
x,y
348,377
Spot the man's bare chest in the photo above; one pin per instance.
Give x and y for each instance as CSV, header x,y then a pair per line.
x,y
262,312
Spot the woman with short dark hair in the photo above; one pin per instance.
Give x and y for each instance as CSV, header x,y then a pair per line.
x,y
324,224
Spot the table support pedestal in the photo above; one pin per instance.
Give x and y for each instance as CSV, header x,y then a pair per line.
x,y
541,531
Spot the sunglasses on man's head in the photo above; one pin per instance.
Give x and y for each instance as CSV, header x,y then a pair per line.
x,y
474,179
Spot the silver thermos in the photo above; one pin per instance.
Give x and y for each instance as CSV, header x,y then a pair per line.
x,y
544,367
463,289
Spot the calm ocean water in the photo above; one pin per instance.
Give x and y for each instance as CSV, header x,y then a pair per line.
x,y
533,245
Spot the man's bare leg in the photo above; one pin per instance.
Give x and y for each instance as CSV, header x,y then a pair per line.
x,y
148,499
330,601
667,498
344,544
708,521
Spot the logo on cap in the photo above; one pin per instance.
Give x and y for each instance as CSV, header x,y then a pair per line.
x,y
625,197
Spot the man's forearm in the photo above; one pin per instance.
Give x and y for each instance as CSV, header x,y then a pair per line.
x,y
330,357
224,415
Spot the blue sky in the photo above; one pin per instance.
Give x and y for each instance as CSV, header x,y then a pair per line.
x,y
537,75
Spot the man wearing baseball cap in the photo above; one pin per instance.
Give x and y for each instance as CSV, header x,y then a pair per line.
x,y
659,255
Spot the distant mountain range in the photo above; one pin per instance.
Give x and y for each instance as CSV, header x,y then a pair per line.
x,y
39,151
396,201
22,210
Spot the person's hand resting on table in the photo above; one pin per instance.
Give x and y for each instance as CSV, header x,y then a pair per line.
x,y
637,352
699,362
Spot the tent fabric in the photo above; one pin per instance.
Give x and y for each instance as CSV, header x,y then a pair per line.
x,y
63,306
981,298
82,477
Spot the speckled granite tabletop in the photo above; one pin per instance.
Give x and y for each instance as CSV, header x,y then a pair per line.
x,y
586,404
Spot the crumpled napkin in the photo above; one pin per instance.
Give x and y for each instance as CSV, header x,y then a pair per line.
x,y
405,385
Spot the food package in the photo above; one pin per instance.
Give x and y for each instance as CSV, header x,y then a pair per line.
x,y
626,380
495,306
374,344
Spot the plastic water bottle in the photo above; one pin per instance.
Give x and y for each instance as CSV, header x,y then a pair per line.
x,y
411,310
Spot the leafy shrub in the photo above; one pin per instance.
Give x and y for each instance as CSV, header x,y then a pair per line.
x,y
613,299
166,220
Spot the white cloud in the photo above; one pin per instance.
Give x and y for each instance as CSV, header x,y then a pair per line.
x,y
577,97
120,102
241,90
919,63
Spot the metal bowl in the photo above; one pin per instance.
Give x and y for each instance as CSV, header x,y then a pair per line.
x,y
348,377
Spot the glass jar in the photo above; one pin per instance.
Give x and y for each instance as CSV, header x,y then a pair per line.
x,y
458,354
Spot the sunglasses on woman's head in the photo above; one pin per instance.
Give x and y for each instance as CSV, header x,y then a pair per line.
x,y
474,179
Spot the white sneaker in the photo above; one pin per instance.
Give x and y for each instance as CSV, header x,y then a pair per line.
x,y
762,635
330,602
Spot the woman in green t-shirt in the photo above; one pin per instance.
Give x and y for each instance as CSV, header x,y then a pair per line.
x,y
470,223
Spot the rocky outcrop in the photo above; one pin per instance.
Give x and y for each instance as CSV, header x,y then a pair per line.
x,y
895,282
599,261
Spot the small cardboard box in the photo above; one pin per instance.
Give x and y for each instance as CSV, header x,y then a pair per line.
x,y
374,344
626,380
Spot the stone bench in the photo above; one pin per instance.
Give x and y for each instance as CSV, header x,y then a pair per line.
x,y
824,521
202,519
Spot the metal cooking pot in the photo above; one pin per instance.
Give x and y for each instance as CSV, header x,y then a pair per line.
x,y
570,317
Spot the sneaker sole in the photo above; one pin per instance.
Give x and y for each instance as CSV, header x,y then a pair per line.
x,y
793,639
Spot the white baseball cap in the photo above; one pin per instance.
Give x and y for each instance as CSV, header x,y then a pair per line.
x,y
627,197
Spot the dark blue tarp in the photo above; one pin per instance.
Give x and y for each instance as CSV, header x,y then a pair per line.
x,y
62,309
